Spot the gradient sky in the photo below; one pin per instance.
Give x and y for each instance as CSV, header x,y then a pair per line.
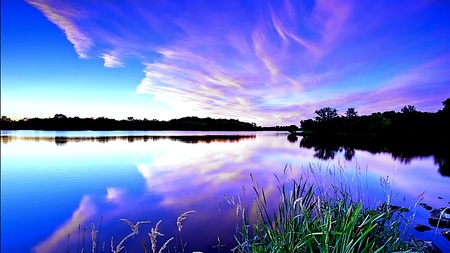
x,y
268,62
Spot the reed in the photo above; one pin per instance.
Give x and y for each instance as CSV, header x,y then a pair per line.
x,y
322,210
120,247
309,217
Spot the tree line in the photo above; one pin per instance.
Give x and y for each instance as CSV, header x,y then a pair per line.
x,y
407,122
406,134
62,122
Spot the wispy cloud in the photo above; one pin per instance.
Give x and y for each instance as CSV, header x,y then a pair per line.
x,y
65,18
257,64
331,18
394,92
260,61
111,61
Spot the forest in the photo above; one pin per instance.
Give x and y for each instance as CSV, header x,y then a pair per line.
x,y
407,122
62,122
406,135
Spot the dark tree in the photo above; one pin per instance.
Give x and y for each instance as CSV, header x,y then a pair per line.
x,y
446,104
325,114
408,109
351,112
293,129
60,116
6,119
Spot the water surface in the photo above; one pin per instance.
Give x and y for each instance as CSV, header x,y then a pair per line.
x,y
53,183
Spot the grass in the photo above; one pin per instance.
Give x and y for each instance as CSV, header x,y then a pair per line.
x,y
120,247
312,217
317,211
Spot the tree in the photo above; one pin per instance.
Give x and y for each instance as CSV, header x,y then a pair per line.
x,y
60,116
408,109
292,129
351,112
446,104
6,119
325,114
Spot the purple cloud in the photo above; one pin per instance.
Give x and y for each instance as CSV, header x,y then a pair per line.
x,y
265,61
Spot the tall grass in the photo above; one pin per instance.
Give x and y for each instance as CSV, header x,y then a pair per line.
x,y
121,246
318,210
312,217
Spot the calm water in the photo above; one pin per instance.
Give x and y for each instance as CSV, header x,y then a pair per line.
x,y
52,186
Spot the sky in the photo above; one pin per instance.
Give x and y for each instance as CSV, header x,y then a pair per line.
x,y
262,61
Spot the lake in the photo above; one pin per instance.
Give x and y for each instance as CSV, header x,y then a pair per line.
x,y
55,183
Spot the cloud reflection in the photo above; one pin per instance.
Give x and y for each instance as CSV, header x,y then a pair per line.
x,y
114,194
85,211
173,177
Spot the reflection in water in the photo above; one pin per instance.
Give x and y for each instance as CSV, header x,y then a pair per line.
x,y
159,177
292,138
444,164
83,213
403,150
62,140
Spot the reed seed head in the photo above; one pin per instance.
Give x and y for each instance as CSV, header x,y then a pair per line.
x,y
181,218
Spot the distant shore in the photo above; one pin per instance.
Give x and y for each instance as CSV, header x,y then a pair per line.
x,y
63,123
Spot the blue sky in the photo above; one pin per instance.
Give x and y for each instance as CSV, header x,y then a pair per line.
x,y
262,61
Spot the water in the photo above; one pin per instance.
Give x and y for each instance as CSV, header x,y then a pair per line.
x,y
56,183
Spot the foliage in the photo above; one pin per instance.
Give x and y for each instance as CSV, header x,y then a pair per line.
x,y
310,218
121,246
406,123
319,211
325,114
351,112
292,128
62,122
446,105
408,109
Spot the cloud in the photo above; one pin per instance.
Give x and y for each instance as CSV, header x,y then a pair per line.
x,y
262,61
223,69
331,17
112,61
240,71
416,85
403,89
261,44
64,17
214,64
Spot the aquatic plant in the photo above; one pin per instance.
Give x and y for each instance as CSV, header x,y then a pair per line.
x,y
312,217
135,231
153,235
318,210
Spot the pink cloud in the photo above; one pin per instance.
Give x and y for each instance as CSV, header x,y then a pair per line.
x,y
260,64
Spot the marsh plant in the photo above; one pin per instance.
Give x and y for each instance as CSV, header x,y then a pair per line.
x,y
321,214
121,247
315,210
